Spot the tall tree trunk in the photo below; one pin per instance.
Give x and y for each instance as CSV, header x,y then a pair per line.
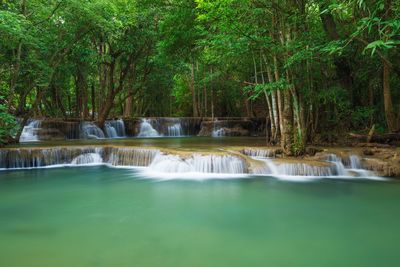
x,y
192,86
279,98
387,100
287,125
93,103
128,110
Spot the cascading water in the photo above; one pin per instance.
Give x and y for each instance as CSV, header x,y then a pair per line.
x,y
90,131
264,153
115,128
154,159
30,131
132,157
164,165
337,168
147,130
175,130
87,159
198,164
217,132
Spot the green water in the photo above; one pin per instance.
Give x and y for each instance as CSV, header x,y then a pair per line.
x,y
98,216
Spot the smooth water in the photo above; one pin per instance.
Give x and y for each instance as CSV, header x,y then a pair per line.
x,y
100,216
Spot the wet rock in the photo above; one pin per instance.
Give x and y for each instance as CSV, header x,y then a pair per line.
x,y
384,168
368,152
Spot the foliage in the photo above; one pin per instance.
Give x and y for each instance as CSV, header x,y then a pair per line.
x,y
8,125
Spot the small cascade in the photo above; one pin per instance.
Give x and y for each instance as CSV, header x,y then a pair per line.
x,y
218,132
198,163
348,166
175,130
264,153
336,167
302,169
147,130
36,157
132,157
30,131
87,159
115,128
90,131
354,162
337,162
292,169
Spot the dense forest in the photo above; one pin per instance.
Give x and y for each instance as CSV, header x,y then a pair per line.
x,y
311,68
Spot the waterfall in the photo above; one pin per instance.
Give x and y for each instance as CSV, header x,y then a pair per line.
x,y
90,131
87,159
337,168
218,133
154,159
115,128
354,162
147,130
30,131
265,153
175,130
161,163
293,169
198,163
132,157
37,157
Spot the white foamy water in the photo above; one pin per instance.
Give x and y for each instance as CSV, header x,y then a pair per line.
x,y
91,131
115,128
175,130
156,164
30,131
87,159
147,130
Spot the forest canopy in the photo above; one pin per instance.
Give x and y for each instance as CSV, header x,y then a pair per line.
x,y
311,68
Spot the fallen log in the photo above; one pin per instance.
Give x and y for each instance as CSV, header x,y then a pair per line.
x,y
385,138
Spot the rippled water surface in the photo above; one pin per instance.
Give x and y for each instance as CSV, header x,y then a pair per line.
x,y
100,216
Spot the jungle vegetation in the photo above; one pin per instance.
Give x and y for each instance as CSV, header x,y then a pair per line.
x,y
311,68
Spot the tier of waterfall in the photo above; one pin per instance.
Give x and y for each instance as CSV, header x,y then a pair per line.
x,y
154,159
115,128
87,159
90,131
161,127
175,130
334,166
157,161
218,132
265,153
147,130
30,131
198,163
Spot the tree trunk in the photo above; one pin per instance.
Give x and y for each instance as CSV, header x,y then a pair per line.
x,y
192,87
93,103
287,126
128,110
387,99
